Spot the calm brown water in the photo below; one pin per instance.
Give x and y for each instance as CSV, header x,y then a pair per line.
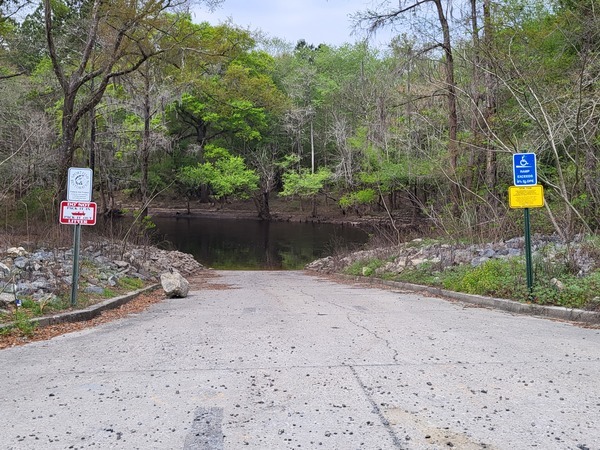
x,y
254,244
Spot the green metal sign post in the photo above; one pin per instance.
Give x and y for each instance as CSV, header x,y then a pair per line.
x,y
528,263
525,194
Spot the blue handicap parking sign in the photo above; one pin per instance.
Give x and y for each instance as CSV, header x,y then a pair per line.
x,y
524,169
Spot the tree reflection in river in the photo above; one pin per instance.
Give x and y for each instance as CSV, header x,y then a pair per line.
x,y
255,244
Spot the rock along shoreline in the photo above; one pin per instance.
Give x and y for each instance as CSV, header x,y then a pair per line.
x,y
42,274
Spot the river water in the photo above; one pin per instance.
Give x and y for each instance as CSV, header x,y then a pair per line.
x,y
254,244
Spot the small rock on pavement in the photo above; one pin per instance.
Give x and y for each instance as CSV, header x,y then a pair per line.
x,y
174,284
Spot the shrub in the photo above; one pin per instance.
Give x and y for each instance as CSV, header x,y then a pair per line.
x,y
425,274
576,293
495,277
23,323
364,268
358,199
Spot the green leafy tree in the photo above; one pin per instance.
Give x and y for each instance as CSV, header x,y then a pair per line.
x,y
305,184
226,175
96,43
359,200
230,99
8,66
229,93
193,117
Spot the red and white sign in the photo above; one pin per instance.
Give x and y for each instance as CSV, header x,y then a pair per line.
x,y
77,213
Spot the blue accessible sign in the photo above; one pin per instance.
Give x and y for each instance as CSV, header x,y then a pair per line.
x,y
524,169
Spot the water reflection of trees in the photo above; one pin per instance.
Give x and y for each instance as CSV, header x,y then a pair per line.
x,y
254,244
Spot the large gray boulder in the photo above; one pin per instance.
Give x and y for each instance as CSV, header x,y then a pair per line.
x,y
174,284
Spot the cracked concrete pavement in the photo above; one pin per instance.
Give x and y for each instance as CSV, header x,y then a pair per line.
x,y
284,360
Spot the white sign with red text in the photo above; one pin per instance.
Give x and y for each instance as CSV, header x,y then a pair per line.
x,y
77,213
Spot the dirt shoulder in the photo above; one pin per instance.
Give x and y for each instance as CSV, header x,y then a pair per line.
x,y
206,279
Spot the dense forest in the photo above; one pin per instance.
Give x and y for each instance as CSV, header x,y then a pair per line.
x,y
160,106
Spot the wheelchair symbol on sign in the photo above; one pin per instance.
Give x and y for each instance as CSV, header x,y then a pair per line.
x,y
524,169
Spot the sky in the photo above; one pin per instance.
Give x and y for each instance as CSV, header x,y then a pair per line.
x,y
315,21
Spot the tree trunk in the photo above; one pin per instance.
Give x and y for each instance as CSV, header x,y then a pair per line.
x,y
476,154
145,148
261,201
201,130
67,149
312,148
77,83
92,115
451,96
103,201
92,161
491,169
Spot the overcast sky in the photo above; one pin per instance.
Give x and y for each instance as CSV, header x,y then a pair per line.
x,y
315,21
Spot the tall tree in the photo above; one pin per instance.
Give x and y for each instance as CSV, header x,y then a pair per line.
x,y
116,38
232,100
549,78
389,15
194,117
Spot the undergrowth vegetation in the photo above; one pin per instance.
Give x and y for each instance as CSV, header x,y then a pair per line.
x,y
557,278
19,317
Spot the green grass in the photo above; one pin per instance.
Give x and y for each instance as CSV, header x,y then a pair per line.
x,y
130,283
495,277
109,293
578,292
365,268
31,308
502,278
21,320
425,274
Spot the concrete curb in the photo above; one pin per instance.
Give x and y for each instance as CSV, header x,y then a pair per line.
x,y
552,312
87,313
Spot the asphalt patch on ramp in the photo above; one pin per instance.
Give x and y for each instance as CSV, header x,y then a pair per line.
x,y
207,432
